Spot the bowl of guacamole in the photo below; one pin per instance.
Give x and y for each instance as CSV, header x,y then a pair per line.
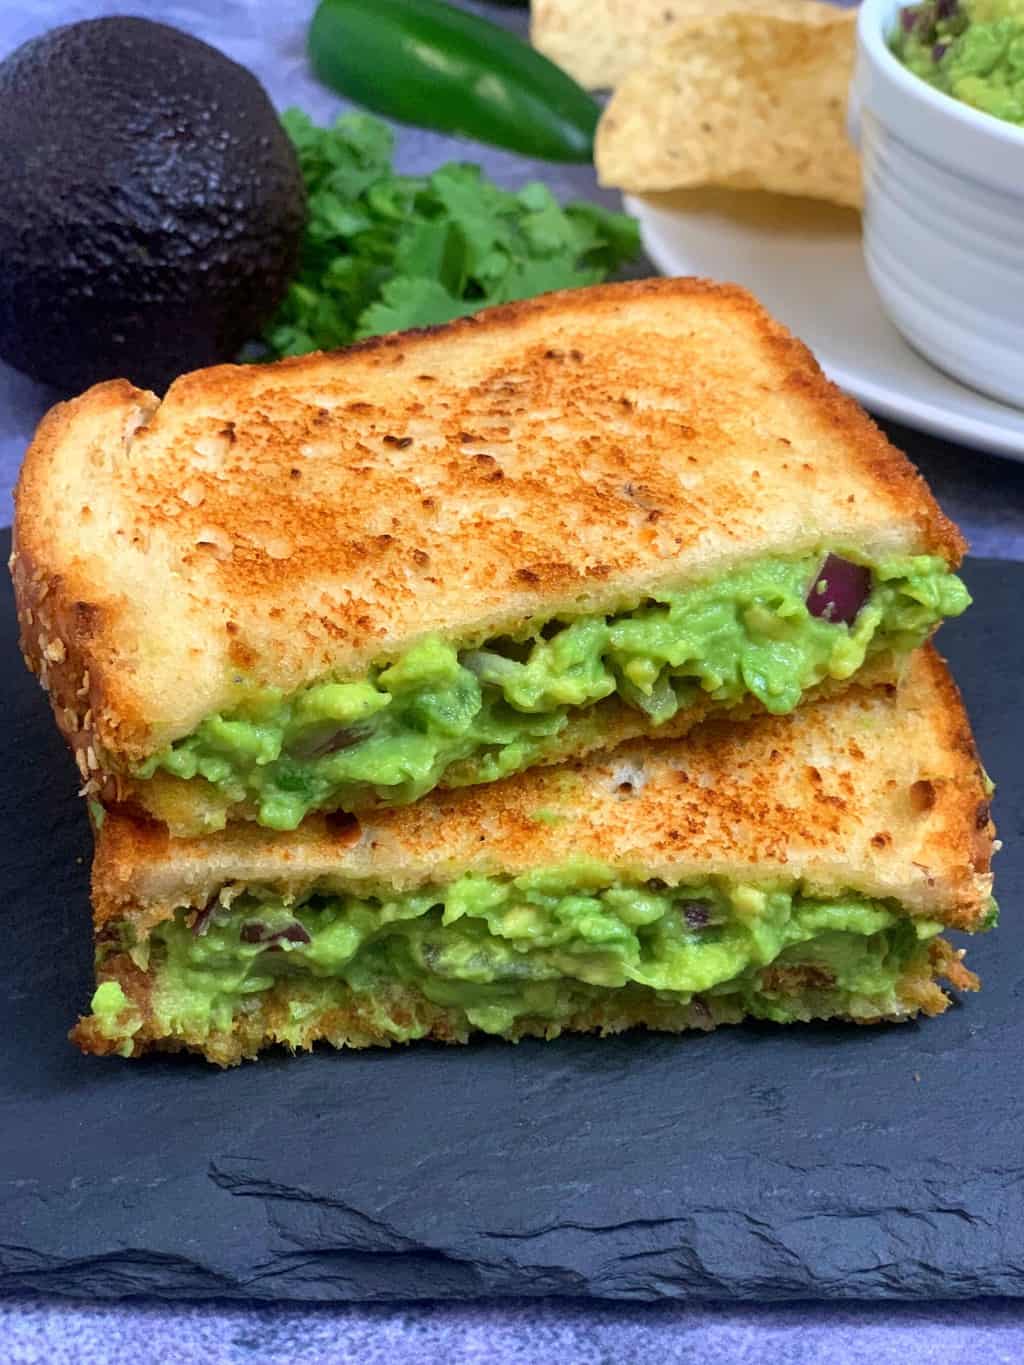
x,y
937,108
970,49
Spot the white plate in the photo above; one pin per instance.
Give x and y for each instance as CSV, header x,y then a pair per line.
x,y
803,261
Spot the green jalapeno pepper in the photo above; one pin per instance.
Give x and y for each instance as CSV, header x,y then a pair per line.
x,y
427,63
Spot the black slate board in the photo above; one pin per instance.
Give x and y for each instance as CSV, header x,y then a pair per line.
x,y
813,1162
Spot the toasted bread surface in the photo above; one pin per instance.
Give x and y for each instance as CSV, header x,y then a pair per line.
x,y
879,792
281,523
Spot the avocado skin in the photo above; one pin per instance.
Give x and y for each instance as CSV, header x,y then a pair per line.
x,y
152,206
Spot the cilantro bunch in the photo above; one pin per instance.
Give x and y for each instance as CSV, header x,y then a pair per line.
x,y
383,252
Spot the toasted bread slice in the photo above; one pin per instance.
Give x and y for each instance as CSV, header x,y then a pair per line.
x,y
877,796
275,526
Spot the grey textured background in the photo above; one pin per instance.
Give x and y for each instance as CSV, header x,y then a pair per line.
x,y
985,494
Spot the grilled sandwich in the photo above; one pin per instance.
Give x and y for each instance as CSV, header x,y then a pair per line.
x,y
436,559
789,868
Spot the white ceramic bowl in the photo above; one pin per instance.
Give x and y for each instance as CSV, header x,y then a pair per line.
x,y
943,215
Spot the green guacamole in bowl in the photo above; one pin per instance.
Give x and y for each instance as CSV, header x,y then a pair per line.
x,y
970,49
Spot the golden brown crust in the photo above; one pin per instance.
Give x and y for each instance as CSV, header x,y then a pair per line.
x,y
572,452
806,993
878,792
68,633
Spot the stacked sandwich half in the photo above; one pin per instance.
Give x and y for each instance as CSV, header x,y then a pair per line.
x,y
561,668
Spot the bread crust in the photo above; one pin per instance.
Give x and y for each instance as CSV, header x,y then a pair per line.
x,y
280,523
879,792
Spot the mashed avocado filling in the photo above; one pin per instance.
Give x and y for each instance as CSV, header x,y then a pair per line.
x,y
497,709
541,947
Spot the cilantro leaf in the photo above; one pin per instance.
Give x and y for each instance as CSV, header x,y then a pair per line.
x,y
431,248
384,251
410,302
608,239
541,275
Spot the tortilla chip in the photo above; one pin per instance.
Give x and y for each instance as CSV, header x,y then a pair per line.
x,y
598,41
745,100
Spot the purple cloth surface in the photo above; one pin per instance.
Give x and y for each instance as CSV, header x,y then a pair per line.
x,y
522,1333
983,493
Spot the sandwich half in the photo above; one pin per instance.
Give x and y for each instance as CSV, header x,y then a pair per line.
x,y
439,558
784,869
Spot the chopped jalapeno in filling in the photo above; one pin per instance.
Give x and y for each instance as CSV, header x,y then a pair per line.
x,y
540,947
770,631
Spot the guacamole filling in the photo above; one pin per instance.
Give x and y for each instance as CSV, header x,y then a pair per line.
x,y
477,714
542,948
970,49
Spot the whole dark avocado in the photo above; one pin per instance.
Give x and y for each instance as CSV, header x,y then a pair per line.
x,y
151,209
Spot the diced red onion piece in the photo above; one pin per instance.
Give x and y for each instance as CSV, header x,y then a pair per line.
x,y
202,920
695,913
320,741
256,932
839,590
295,933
